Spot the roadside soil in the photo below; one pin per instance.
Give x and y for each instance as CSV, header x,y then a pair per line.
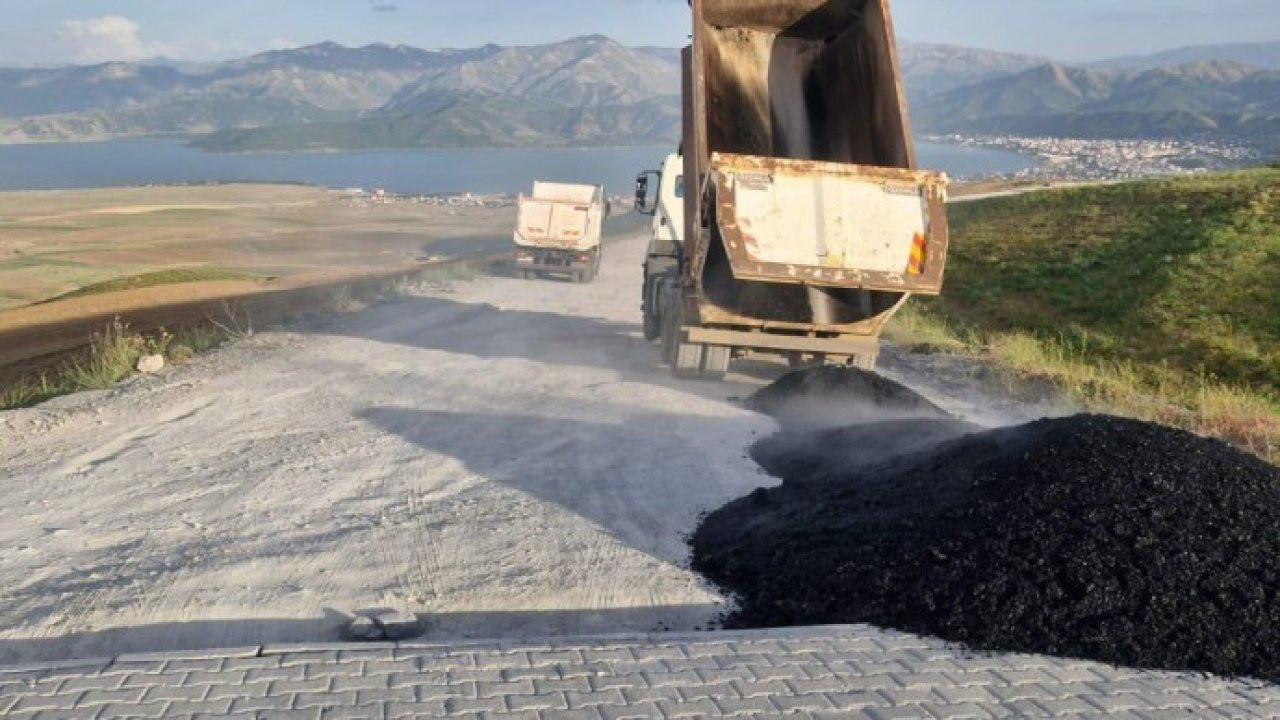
x,y
505,459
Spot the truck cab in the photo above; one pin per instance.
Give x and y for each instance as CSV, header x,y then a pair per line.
x,y
661,194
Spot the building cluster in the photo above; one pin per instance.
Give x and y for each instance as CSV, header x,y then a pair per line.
x,y
1104,159
378,196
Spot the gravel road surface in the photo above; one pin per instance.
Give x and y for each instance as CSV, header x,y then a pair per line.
x,y
503,457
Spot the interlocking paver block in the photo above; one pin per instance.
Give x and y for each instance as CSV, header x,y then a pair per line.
x,y
187,665
696,709
803,703
340,683
89,713
162,693
401,695
761,689
192,707
106,697
377,712
308,714
610,696
962,711
276,674
700,690
579,714
639,695
779,672
120,667
640,680
247,690
261,704
857,701
548,701
658,652
903,697
91,682
552,685
1115,703
487,689
147,680
824,685
458,705
432,709
746,706
31,703
302,701
252,663
133,710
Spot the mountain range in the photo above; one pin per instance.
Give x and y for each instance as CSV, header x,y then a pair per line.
x,y
1217,97
594,91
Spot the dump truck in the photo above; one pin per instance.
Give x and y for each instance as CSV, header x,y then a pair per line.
x,y
558,230
805,222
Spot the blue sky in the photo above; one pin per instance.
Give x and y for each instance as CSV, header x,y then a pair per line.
x,y
60,31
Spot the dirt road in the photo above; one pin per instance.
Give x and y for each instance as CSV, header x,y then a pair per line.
x,y
505,458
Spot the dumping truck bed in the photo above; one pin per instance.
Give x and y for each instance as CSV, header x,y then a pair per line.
x,y
806,221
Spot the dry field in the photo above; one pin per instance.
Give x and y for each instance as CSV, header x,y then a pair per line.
x,y
54,243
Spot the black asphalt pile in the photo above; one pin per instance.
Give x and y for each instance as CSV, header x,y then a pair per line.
x,y
811,456
836,396
1089,537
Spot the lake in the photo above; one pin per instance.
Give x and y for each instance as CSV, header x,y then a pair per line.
x,y
159,162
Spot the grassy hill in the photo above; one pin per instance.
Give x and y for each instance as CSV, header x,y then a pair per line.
x,y
1146,296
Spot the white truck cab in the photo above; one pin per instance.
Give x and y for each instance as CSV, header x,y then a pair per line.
x,y
668,218
660,193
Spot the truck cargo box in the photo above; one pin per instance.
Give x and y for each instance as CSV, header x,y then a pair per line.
x,y
811,214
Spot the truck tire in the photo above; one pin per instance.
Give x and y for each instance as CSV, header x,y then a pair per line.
x,y
688,361
685,358
652,325
667,335
715,362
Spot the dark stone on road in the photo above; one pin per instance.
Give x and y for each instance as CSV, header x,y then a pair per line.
x,y
838,396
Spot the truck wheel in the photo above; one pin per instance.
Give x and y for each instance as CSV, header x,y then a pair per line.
x,y
687,364
715,362
652,325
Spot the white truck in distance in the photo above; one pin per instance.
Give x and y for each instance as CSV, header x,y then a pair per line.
x,y
558,230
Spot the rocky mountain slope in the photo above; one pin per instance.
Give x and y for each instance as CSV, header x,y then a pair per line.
x,y
1219,97
591,91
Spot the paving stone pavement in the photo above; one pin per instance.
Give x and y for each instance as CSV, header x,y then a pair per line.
x,y
830,672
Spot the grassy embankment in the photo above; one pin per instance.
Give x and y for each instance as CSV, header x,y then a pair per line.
x,y
174,276
1156,299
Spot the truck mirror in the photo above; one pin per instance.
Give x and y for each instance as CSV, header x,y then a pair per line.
x,y
645,205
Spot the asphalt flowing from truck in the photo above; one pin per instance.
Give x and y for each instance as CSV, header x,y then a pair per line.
x,y
504,458
1087,536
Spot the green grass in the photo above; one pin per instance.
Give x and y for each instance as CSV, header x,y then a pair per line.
x,y
110,358
1158,298
175,276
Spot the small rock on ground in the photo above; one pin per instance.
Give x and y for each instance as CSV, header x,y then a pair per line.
x,y
150,363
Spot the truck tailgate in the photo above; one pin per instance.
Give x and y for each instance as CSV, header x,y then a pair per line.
x,y
557,224
831,224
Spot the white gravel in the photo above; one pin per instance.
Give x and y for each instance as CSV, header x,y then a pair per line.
x,y
505,458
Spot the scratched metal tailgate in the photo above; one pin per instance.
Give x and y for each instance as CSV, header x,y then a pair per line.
x,y
831,224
